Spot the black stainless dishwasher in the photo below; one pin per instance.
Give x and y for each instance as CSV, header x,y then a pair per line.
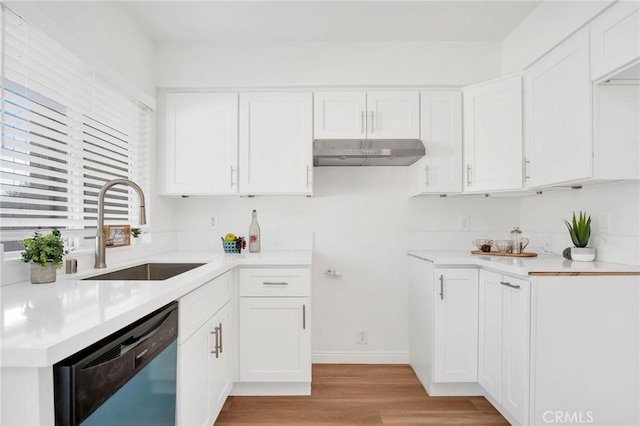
x,y
127,378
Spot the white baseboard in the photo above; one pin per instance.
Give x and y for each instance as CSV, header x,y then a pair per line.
x,y
270,388
380,357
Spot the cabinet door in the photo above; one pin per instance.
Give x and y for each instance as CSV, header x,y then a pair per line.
x,y
493,135
193,389
558,144
440,171
275,143
201,143
455,325
615,38
515,346
490,333
275,339
339,115
393,115
421,294
221,359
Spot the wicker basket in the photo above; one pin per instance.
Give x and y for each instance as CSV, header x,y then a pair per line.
x,y
230,246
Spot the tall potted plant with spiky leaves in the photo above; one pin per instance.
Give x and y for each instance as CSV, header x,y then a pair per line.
x,y
580,232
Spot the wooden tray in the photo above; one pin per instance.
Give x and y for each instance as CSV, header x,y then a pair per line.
x,y
497,253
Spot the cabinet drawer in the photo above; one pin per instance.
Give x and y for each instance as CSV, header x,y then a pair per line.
x,y
277,282
201,304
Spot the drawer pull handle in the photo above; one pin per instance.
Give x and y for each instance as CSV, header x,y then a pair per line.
x,y
441,287
275,283
508,284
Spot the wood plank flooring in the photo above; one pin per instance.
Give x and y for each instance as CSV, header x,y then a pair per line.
x,y
360,395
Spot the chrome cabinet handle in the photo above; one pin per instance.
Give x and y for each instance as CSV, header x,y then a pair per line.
x,y
220,336
525,168
441,287
426,175
308,171
468,174
232,177
362,120
372,122
275,283
304,317
508,284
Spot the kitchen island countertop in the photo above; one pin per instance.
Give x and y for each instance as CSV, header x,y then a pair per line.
x,y
543,264
44,323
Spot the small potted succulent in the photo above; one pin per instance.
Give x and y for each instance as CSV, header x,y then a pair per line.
x,y
580,232
44,252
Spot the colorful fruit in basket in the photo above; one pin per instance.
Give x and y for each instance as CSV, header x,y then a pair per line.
x,y
230,237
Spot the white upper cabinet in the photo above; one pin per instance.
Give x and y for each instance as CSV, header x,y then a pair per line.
x,y
557,95
200,150
492,123
340,115
276,143
615,38
366,115
440,170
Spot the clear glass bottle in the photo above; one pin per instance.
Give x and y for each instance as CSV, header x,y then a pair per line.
x,y
254,234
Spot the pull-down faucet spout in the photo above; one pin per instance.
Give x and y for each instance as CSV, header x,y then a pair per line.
x,y
101,246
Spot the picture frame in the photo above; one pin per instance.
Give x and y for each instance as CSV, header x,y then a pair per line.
x,y
117,235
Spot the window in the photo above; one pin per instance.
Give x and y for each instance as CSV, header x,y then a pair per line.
x,y
65,132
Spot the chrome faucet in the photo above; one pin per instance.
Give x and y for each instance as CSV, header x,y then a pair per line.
x,y
101,243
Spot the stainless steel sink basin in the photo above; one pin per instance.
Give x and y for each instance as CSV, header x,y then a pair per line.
x,y
147,272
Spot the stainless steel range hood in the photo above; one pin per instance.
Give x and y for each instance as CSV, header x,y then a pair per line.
x,y
366,152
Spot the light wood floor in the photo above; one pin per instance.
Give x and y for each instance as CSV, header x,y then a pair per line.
x,y
360,395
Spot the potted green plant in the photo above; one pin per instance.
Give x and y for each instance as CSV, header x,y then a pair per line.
x,y
44,252
580,232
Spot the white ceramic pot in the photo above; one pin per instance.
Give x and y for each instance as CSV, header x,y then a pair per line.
x,y
583,254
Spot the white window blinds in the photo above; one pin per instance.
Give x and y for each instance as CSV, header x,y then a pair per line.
x,y
65,132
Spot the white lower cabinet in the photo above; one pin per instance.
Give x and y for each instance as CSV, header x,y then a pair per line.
x,y
503,348
204,356
443,333
274,339
274,331
455,314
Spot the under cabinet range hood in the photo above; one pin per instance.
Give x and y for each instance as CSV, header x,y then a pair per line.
x,y
367,152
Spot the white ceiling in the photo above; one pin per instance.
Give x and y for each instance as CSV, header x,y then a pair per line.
x,y
192,21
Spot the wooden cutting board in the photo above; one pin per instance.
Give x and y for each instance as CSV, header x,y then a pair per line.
x,y
497,253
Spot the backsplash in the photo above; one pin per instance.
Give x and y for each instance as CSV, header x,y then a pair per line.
x,y
615,213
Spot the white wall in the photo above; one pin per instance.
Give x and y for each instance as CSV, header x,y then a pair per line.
x,y
545,27
213,65
363,223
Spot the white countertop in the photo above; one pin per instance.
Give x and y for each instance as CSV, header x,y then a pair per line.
x,y
542,264
42,324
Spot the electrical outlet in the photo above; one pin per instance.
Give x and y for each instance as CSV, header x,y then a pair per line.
x,y
214,221
464,223
362,337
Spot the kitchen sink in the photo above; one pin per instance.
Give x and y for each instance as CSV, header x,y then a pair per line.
x,y
146,272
